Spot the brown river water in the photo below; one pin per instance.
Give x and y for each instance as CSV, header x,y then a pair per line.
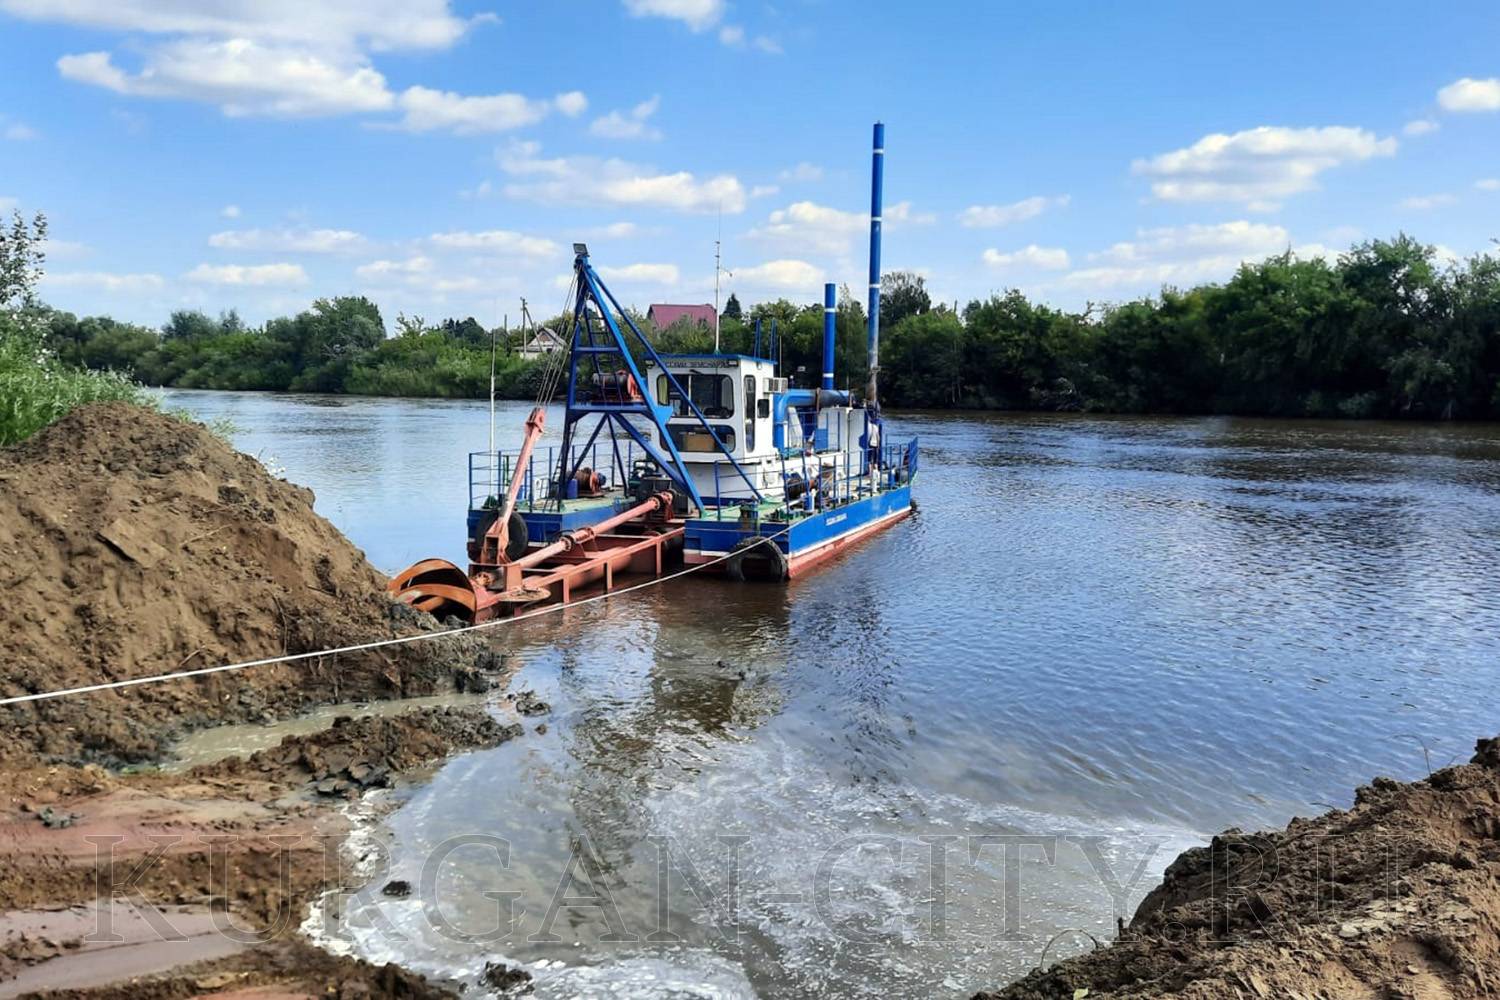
x,y
977,738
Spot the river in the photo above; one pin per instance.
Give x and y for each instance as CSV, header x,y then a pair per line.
x,y
986,730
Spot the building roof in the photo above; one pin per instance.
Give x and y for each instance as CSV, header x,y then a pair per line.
x,y
542,339
665,314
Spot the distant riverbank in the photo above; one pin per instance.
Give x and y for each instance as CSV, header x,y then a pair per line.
x,y
1387,330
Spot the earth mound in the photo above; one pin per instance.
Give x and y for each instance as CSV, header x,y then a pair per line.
x,y
134,543
1397,898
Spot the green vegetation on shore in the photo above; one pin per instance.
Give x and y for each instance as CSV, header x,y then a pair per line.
x,y
1386,330
36,386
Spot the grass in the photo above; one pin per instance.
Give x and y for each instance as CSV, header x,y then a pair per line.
x,y
36,389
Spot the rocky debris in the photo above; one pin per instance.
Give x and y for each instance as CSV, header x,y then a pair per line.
x,y
57,819
1397,897
509,980
396,888
359,753
135,543
527,703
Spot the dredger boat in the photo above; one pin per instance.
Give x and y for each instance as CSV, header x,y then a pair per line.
x,y
671,460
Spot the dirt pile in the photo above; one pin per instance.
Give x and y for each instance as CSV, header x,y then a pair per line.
x,y
1396,899
355,754
134,543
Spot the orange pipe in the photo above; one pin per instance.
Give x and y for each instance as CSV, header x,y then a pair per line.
x,y
582,536
499,533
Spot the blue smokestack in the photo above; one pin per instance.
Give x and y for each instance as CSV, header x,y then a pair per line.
x,y
877,175
830,317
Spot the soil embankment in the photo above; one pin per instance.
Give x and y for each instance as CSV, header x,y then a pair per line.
x,y
1397,898
134,544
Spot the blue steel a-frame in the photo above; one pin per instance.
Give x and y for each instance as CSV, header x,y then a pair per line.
x,y
598,345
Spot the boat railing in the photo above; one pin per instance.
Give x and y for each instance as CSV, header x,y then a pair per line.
x,y
490,472
832,480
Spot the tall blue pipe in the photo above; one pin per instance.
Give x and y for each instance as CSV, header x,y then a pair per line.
x,y
877,175
757,338
830,324
775,351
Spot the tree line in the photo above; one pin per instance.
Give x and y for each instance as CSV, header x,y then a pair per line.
x,y
1386,330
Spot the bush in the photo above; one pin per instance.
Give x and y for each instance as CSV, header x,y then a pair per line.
x,y
37,389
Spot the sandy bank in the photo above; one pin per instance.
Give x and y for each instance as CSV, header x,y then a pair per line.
x,y
1397,898
132,544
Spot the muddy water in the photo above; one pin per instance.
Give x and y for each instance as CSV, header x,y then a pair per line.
x,y
973,741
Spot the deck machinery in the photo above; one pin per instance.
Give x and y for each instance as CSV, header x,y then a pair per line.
x,y
666,460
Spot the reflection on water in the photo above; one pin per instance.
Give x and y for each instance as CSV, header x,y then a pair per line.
x,y
1098,640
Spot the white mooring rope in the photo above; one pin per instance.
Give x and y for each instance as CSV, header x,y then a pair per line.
x,y
360,647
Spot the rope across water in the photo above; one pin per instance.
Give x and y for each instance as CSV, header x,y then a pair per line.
x,y
361,647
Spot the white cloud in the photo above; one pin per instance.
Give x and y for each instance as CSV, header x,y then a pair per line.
x,y
1180,255
1030,256
8,202
230,211
257,275
1420,126
104,281
589,179
242,77
993,216
501,242
572,104
802,173
629,125
698,15
808,225
618,230
780,275
416,273
378,24
412,267
288,59
1259,165
1425,202
426,110
764,190
1470,94
288,240
652,274
1488,184
17,131
733,35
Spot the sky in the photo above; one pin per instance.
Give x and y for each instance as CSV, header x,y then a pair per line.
x,y
441,157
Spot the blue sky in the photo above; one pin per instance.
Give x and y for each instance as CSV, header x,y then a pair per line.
x,y
440,157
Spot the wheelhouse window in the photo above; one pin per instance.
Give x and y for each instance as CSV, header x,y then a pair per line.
x,y
712,394
693,438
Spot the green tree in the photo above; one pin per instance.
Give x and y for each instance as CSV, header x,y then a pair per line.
x,y
902,294
732,308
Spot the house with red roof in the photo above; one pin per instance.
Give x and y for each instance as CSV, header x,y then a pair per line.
x,y
663,315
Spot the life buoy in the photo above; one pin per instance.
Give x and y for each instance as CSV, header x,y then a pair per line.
x,y
767,561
